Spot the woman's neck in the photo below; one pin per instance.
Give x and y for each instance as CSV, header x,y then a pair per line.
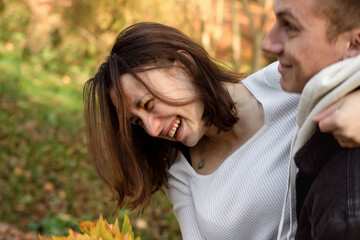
x,y
217,145
249,112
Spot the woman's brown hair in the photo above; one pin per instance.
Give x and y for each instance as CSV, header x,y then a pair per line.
x,y
133,164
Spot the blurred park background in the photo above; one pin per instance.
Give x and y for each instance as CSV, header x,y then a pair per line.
x,y
48,49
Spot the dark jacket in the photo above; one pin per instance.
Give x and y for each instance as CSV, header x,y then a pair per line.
x,y
327,190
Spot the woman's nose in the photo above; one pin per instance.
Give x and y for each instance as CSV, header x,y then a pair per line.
x,y
152,125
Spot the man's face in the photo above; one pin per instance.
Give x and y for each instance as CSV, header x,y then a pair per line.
x,y
299,40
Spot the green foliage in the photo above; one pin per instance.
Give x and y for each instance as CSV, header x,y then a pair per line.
x,y
42,144
57,225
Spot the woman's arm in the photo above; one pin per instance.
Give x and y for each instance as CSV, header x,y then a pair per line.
x,y
342,119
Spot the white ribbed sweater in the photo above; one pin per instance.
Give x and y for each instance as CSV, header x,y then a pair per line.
x,y
243,198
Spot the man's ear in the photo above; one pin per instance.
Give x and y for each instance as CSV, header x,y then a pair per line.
x,y
354,45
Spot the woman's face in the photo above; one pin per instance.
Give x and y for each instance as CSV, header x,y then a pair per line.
x,y
176,123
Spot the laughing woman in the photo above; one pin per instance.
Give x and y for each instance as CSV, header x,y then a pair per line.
x,y
160,113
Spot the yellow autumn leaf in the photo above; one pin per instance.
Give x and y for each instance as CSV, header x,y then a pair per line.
x,y
99,230
102,230
116,230
86,226
126,227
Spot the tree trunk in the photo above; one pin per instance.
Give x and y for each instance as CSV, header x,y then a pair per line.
x,y
257,52
257,30
236,37
205,10
39,27
219,19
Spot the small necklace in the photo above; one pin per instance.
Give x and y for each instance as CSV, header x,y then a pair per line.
x,y
200,165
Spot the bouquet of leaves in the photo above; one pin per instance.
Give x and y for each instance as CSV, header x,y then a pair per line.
x,y
100,230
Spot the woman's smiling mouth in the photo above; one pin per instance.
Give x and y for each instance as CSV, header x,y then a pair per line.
x,y
175,128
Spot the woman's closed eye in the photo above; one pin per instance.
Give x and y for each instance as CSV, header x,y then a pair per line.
x,y
149,105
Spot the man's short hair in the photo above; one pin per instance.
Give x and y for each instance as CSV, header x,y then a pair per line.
x,y
342,15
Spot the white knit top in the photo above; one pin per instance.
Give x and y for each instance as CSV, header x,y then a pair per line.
x,y
243,198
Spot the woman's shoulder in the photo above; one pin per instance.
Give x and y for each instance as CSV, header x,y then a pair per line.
x,y
269,76
265,87
181,168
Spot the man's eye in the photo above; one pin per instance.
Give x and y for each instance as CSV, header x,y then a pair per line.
x,y
289,27
149,105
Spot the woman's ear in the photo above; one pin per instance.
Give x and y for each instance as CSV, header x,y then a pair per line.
x,y
354,44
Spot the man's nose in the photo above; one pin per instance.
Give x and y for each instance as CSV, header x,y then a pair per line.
x,y
271,43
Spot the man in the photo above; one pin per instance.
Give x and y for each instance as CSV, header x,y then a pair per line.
x,y
311,39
